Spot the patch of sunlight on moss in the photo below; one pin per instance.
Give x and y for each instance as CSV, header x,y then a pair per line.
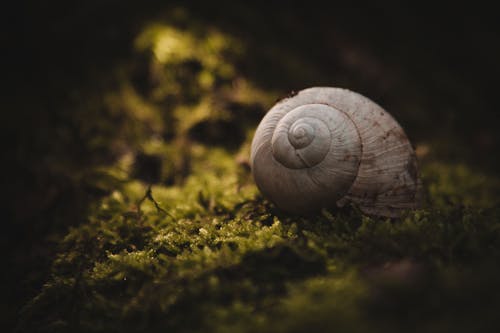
x,y
190,115
218,160
214,177
206,79
206,244
193,72
171,45
246,92
214,183
166,42
141,111
119,264
134,190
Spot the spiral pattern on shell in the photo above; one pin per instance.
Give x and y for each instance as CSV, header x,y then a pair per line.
x,y
325,147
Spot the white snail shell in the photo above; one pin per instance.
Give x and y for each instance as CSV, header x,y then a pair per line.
x,y
325,147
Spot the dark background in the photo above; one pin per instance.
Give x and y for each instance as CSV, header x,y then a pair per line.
x,y
435,68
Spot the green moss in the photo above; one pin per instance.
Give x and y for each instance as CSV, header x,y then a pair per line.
x,y
224,260
457,184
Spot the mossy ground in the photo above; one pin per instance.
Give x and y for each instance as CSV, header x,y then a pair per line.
x,y
171,234
212,255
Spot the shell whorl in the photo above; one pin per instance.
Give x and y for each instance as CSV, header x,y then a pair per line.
x,y
304,136
328,146
293,166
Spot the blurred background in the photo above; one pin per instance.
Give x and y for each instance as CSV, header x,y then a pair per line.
x,y
100,92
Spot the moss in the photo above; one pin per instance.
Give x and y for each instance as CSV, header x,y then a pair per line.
x,y
458,184
223,259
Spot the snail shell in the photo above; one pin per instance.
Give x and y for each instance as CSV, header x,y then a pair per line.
x,y
325,147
